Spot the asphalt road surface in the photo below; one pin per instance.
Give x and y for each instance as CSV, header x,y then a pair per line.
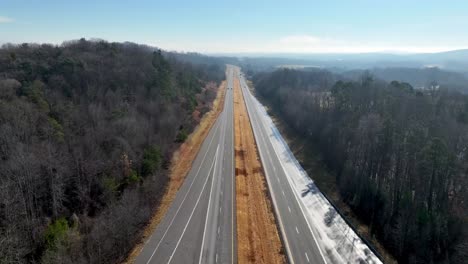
x,y
200,225
298,238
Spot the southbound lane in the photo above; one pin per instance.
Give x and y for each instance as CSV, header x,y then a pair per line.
x,y
199,226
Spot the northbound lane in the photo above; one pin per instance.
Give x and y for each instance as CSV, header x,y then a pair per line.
x,y
298,236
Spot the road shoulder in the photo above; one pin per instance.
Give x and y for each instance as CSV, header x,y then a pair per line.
x,y
180,166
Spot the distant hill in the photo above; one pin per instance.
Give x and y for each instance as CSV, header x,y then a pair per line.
x,y
456,60
417,77
455,55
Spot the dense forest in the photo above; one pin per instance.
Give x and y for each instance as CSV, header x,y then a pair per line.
x,y
422,78
399,154
87,130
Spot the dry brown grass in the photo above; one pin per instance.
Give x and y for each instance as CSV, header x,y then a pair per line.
x,y
258,239
180,166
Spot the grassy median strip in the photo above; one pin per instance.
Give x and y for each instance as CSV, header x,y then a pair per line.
x,y
180,166
258,238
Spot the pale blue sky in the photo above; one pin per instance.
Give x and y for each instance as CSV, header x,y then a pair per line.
x,y
244,26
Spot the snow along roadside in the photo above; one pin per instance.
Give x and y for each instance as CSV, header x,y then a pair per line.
x,y
338,240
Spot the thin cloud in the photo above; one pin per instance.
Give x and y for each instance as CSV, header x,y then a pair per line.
x,y
303,43
4,19
313,44
296,44
300,40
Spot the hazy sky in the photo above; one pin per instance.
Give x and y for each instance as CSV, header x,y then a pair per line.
x,y
244,26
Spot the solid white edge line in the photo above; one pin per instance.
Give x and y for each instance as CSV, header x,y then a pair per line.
x,y
183,200
209,203
278,213
191,214
297,199
233,187
221,139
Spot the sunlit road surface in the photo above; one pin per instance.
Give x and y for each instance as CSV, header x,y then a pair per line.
x,y
299,239
199,226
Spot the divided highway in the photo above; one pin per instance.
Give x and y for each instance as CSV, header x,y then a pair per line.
x,y
200,225
298,238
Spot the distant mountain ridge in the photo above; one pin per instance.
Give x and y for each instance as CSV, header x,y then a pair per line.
x,y
417,77
461,54
456,60
452,54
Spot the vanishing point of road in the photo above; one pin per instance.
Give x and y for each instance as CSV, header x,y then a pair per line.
x,y
200,225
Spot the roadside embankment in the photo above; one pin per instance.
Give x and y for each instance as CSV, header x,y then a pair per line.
x,y
180,166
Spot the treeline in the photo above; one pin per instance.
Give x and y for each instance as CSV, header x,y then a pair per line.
x,y
87,130
418,77
400,155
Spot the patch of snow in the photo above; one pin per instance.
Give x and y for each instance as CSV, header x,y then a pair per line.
x,y
338,241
